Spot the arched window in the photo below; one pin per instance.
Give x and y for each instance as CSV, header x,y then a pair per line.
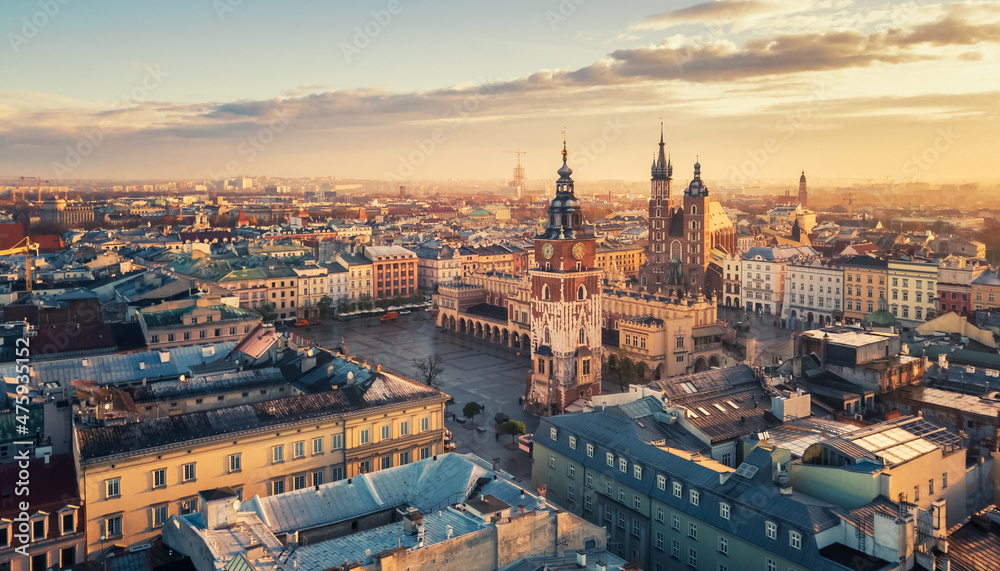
x,y
546,337
581,292
583,337
576,220
657,212
565,220
694,209
545,292
552,220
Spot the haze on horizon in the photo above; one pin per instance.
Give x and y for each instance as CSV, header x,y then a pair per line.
x,y
402,89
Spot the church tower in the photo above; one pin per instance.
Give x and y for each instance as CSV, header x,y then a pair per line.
x,y
803,194
696,243
661,205
565,307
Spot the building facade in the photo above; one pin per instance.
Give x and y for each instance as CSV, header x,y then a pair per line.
x,y
683,232
954,284
865,281
814,294
394,270
912,289
566,342
763,272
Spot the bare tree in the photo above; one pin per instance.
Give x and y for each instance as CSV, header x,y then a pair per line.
x,y
429,368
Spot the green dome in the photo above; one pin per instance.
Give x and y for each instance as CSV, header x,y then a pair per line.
x,y
882,317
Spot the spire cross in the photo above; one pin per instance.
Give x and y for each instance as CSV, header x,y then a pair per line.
x,y
564,153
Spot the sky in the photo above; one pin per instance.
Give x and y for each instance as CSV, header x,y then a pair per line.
x,y
410,90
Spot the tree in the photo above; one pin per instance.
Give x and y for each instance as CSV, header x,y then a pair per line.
x,y
324,306
267,312
514,428
471,409
626,368
343,305
365,301
429,368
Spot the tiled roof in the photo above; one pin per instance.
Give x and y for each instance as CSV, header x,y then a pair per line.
x,y
974,546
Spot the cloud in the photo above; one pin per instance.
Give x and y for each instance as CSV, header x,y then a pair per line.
x,y
724,11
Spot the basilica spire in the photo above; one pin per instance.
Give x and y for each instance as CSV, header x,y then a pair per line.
x,y
661,165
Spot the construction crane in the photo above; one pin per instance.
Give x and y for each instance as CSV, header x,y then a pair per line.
x,y
850,205
38,180
25,246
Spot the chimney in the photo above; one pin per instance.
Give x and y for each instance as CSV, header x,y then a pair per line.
x,y
581,558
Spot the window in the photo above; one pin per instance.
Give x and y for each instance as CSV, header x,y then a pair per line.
x,y
571,470
693,554
386,432
607,513
622,465
636,503
113,526
621,520
160,478
694,497
278,487
795,539
675,548
771,530
336,442
317,446
930,486
944,481
385,462
677,489
159,515
636,529
723,545
364,436
772,565
588,503
113,487
610,489
572,442
590,480
338,474
68,524
277,454
692,530
235,463
552,461
590,450
425,424
659,540
916,493
298,482
661,482
724,510
675,522
189,473
621,495
637,471
609,459
317,478
659,514
299,449
404,458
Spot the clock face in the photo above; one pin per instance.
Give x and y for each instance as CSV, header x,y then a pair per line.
x,y
579,250
547,250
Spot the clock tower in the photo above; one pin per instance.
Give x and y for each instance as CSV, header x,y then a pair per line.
x,y
565,307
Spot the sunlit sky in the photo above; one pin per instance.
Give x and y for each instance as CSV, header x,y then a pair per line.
x,y
758,90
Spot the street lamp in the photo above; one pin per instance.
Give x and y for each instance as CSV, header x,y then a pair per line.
x,y
104,556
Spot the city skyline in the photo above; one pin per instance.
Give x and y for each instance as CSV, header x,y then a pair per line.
x,y
756,90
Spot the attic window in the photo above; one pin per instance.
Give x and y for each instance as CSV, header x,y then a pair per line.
x,y
703,411
718,406
732,404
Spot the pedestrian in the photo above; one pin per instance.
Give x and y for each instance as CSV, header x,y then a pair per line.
x,y
496,436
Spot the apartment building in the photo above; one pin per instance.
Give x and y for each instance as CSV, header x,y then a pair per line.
x,y
359,269
312,287
865,281
437,265
281,285
986,291
623,260
763,272
135,476
193,321
954,284
248,285
814,293
394,270
912,289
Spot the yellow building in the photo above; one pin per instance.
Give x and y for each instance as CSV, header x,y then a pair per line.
x,y
986,291
621,259
864,283
133,476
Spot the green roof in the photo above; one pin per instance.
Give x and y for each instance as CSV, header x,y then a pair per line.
x,y
175,317
244,275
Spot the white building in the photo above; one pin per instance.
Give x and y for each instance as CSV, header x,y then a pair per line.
x,y
312,287
763,272
814,294
912,285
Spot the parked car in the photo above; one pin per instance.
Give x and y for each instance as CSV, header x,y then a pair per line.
x,y
316,321
301,323
405,312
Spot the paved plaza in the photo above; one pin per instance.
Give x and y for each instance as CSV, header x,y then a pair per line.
x,y
474,371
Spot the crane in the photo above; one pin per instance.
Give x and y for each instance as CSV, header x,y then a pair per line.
x,y
38,180
25,247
